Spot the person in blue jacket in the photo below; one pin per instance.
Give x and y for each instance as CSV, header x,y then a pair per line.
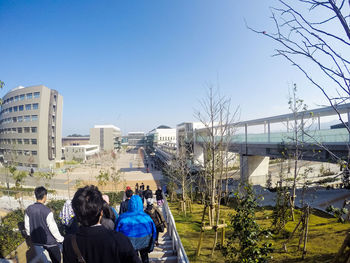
x,y
138,227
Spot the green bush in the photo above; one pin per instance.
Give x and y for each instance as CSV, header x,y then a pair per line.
x,y
10,237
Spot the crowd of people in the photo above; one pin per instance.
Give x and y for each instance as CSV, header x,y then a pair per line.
x,y
93,230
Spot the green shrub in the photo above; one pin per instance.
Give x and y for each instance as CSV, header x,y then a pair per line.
x,y
10,237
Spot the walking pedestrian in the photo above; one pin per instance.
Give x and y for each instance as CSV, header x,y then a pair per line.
x,y
159,196
157,217
148,193
93,242
68,219
139,227
124,205
40,225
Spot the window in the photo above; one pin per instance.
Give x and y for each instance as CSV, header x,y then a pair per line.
x,y
34,153
20,107
26,152
10,109
34,117
29,96
21,97
34,141
28,106
26,141
35,106
19,141
19,130
13,141
14,130
19,152
16,98
19,118
14,119
26,130
27,118
11,99
34,130
15,108
36,94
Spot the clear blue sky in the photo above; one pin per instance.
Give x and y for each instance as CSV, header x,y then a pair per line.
x,y
139,64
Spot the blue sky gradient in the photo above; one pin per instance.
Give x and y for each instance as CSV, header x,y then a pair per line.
x,y
140,64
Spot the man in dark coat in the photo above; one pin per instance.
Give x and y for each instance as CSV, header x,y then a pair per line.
x,y
124,205
95,243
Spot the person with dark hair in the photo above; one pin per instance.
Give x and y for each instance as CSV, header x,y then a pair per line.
x,y
124,205
93,242
156,216
138,227
141,192
147,193
106,219
159,196
40,225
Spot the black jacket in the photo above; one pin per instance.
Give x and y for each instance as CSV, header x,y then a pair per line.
x,y
123,206
99,245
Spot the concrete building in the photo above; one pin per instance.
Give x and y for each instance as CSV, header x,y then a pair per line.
x,y
136,139
108,137
80,153
31,127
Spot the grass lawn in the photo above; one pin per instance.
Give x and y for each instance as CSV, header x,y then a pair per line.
x,y
324,240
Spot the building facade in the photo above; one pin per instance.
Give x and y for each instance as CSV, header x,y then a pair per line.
x,y
136,139
31,127
80,152
107,137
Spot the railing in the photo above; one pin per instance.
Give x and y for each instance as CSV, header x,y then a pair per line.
x,y
174,235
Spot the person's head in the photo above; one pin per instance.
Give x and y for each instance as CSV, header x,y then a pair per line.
x,y
106,210
147,187
128,193
87,205
127,188
159,188
40,193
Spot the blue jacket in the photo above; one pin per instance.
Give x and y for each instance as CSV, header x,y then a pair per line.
x,y
137,225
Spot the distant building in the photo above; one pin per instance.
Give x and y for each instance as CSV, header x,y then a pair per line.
x,y
80,152
136,139
83,140
31,127
108,137
161,135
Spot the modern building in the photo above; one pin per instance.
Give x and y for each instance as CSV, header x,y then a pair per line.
x,y
108,137
31,127
162,135
70,140
136,139
80,153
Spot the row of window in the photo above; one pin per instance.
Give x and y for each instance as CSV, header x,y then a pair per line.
x,y
19,130
25,118
19,141
27,96
166,138
33,106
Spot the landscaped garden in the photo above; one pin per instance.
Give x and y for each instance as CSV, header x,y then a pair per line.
x,y
325,235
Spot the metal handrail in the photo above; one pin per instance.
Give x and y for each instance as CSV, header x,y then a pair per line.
x,y
174,235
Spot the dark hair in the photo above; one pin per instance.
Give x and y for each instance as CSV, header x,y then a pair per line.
x,y
87,204
106,210
40,192
147,187
128,193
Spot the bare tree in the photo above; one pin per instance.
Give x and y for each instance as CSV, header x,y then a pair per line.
x,y
217,119
314,36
